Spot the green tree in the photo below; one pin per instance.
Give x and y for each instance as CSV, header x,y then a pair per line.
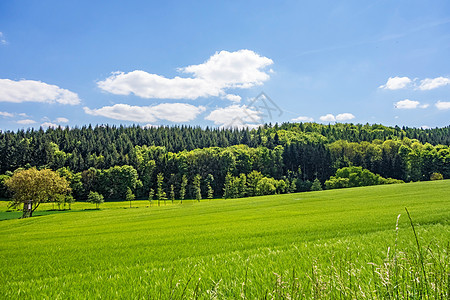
x,y
209,181
95,198
69,199
172,193
129,196
197,188
316,186
151,194
160,194
184,183
32,187
227,189
266,186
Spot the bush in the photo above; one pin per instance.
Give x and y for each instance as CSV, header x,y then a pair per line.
x,y
436,176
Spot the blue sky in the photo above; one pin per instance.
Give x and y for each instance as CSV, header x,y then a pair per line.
x,y
151,63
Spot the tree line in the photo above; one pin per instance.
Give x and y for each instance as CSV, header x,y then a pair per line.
x,y
106,146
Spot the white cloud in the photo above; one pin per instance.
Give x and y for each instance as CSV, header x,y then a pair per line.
x,y
409,104
49,124
150,126
302,119
224,70
344,117
441,105
6,114
174,112
26,122
2,39
432,83
35,91
233,98
235,116
328,118
61,120
396,83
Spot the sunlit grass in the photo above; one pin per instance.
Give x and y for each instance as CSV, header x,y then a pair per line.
x,y
329,244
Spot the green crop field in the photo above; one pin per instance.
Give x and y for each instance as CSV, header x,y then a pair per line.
x,y
336,244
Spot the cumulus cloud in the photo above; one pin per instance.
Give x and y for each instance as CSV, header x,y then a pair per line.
x,y
174,112
6,114
441,105
235,116
49,124
146,126
340,117
224,70
432,83
61,120
35,91
328,118
302,119
26,122
344,117
396,83
409,104
233,98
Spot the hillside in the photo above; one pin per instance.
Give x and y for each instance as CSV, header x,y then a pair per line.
x,y
316,244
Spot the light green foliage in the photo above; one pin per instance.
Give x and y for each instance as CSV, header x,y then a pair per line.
x,y
356,176
160,193
184,183
35,187
436,176
336,244
172,192
197,189
209,189
95,198
266,186
129,196
316,186
252,181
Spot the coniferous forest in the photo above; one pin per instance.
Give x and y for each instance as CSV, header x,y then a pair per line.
x,y
193,162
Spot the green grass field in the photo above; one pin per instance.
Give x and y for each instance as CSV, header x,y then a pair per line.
x,y
337,244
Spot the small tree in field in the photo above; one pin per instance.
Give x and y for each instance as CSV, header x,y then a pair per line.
x,y
129,196
172,193
209,189
183,185
95,198
316,186
32,187
197,189
160,194
151,194
69,199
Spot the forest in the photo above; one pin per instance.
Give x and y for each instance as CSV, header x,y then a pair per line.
x,y
192,162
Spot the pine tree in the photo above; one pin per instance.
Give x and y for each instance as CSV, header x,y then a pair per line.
x,y
210,191
316,186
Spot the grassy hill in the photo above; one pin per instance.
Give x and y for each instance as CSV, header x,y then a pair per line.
x,y
328,244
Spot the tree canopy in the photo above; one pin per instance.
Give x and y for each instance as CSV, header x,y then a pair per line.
x,y
34,187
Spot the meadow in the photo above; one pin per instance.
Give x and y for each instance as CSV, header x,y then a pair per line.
x,y
334,244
